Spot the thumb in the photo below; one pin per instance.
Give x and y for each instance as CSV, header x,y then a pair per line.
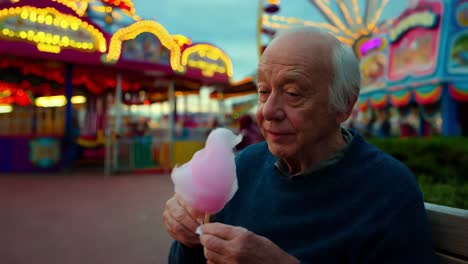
x,y
226,232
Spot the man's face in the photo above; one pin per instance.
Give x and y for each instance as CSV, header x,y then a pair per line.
x,y
293,108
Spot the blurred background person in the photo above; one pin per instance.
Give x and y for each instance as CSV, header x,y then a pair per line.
x,y
250,132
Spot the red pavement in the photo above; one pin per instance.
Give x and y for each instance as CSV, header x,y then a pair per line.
x,y
83,218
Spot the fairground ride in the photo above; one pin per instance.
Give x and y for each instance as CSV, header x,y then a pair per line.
x,y
342,18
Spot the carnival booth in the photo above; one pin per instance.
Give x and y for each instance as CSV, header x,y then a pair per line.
x,y
66,68
416,70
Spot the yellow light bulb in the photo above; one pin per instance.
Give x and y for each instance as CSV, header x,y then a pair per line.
x,y
48,20
40,34
6,109
65,41
24,14
33,16
40,19
64,24
56,39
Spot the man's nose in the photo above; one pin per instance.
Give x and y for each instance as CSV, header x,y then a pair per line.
x,y
273,108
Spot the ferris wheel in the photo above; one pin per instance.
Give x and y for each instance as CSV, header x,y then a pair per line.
x,y
346,19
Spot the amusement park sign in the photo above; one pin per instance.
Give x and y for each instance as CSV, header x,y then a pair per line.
x,y
50,30
426,19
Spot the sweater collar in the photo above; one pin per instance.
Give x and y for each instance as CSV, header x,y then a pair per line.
x,y
348,136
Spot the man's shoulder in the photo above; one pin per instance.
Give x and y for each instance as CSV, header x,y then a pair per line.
x,y
389,165
378,159
384,186
375,158
379,166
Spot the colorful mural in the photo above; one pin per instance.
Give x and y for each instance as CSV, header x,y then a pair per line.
x,y
373,68
458,60
414,42
373,54
426,64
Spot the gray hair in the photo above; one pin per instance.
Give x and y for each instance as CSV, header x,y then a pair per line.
x,y
346,81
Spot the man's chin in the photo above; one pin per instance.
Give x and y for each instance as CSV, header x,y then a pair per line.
x,y
279,150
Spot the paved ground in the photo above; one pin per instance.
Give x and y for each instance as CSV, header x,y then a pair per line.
x,y
83,218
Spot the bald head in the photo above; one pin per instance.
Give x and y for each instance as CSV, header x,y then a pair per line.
x,y
313,45
307,35
305,41
308,51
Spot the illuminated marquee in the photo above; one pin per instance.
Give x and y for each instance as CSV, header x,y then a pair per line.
x,y
132,31
78,6
182,40
50,30
209,59
125,5
426,19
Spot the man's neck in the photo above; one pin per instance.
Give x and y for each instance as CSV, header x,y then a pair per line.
x,y
322,150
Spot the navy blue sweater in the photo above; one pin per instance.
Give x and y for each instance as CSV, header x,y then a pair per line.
x,y
366,208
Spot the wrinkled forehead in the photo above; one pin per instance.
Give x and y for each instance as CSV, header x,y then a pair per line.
x,y
280,73
295,65
304,49
306,42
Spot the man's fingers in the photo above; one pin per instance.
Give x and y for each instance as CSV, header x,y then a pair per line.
x,y
178,212
213,257
180,232
195,214
214,243
226,232
174,226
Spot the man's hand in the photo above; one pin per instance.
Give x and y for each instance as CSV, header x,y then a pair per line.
x,y
229,244
181,221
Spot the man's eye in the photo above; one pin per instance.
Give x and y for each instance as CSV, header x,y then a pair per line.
x,y
293,94
263,95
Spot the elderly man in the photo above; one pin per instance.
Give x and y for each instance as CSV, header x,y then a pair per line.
x,y
314,192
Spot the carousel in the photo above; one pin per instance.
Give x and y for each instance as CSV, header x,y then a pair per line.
x,y
69,68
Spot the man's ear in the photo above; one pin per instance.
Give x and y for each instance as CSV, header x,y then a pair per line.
x,y
343,116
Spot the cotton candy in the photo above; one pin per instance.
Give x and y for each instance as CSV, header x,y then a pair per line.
x,y
208,181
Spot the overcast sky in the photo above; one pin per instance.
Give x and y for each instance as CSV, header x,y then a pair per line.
x,y
231,24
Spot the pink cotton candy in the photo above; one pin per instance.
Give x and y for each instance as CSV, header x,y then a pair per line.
x,y
208,181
